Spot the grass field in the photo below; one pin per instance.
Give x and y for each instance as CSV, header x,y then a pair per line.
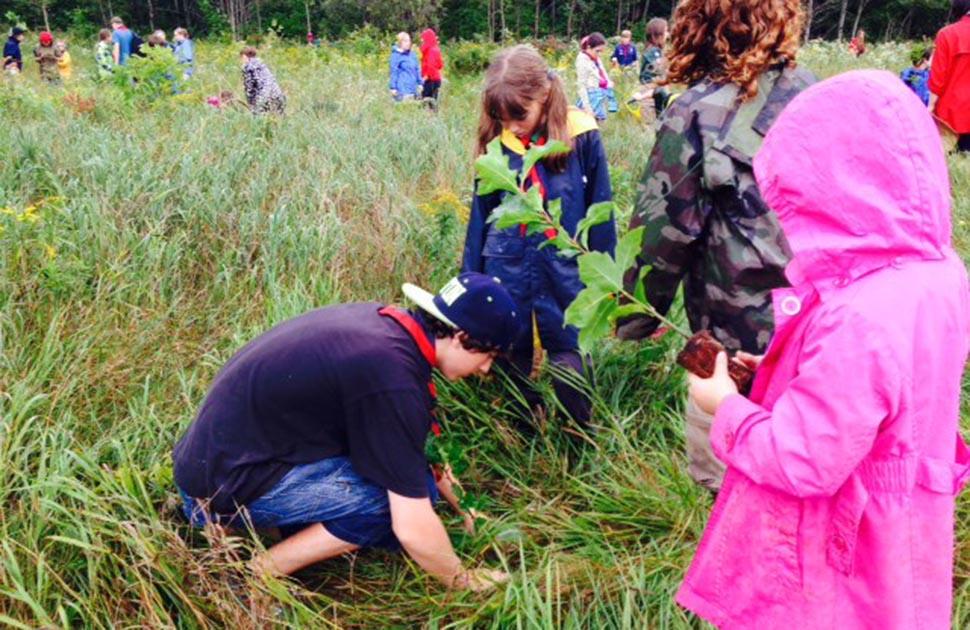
x,y
143,243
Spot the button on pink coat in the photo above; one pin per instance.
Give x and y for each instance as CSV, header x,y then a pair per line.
x,y
837,510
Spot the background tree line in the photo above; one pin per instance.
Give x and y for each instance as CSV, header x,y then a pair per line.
x,y
493,20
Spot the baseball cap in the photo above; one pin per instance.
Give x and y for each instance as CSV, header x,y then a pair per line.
x,y
474,303
46,38
16,31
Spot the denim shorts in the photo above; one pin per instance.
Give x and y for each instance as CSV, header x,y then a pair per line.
x,y
328,491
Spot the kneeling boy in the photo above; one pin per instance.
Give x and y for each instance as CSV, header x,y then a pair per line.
x,y
319,427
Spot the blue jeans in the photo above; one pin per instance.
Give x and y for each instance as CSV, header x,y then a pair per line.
x,y
602,100
328,491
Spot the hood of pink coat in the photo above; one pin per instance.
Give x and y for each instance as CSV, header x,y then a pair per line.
x,y
855,170
428,39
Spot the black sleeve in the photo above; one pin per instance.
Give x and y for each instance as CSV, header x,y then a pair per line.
x,y
386,432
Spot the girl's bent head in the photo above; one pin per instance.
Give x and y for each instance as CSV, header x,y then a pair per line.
x,y
733,40
592,42
525,97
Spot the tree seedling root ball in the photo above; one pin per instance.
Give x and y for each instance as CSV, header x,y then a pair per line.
x,y
699,356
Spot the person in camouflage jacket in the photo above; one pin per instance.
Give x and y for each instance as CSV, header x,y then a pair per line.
x,y
706,223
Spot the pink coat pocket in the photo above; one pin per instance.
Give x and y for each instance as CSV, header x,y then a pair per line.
x,y
757,546
843,533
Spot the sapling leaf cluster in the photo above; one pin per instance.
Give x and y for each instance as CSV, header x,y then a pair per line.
x,y
605,298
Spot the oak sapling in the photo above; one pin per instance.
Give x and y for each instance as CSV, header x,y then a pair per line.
x,y
605,298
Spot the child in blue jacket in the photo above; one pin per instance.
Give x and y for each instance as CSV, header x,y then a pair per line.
x,y
918,77
524,103
405,83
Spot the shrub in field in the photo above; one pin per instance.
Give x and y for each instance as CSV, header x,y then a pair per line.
x,y
466,58
149,78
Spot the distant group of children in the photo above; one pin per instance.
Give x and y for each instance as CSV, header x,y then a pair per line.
x,y
53,59
411,79
595,87
114,48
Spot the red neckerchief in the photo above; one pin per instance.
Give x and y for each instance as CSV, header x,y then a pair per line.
x,y
427,349
535,180
604,80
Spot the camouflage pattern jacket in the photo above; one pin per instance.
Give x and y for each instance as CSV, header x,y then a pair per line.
x,y
706,223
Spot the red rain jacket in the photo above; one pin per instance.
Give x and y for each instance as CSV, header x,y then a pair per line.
x,y
950,75
431,62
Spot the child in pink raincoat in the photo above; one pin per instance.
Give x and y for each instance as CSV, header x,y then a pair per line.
x,y
838,505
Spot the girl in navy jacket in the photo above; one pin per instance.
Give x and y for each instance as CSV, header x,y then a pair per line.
x,y
524,102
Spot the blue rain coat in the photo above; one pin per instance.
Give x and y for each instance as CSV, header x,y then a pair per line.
x,y
405,72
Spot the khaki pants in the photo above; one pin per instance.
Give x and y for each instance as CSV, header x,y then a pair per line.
x,y
702,465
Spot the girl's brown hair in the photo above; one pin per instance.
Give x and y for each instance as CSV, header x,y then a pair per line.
x,y
515,78
733,40
249,51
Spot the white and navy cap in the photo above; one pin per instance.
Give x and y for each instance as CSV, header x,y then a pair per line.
x,y
474,303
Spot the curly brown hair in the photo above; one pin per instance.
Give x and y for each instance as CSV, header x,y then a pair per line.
x,y
733,40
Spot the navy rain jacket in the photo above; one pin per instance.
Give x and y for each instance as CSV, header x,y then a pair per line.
x,y
541,281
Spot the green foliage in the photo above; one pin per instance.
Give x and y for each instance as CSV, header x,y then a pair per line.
x,y
470,57
149,78
605,299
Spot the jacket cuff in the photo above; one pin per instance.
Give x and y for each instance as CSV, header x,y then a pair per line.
x,y
732,411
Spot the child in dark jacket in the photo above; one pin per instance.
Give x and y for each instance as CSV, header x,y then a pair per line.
x,y
524,103
13,59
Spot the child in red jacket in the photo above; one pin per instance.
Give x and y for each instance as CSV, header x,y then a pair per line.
x,y
431,66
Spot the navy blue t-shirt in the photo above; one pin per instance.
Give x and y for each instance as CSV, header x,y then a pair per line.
x,y
341,380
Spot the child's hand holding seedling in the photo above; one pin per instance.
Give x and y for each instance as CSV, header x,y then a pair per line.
x,y
708,393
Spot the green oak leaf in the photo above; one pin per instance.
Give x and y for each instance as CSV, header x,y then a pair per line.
x,y
494,172
536,153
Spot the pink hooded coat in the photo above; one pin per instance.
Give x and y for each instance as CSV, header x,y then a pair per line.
x,y
837,510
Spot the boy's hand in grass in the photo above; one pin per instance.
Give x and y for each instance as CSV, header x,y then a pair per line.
x,y
709,392
481,580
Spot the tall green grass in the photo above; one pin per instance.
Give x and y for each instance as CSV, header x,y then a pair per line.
x,y
164,235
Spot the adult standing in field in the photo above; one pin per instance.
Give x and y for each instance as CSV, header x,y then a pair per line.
x,y
185,52
950,75
263,93
405,81
525,103
122,38
319,427
706,224
13,59
103,54
431,66
593,83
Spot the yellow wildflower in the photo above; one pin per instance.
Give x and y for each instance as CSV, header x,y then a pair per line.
x,y
51,252
8,210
